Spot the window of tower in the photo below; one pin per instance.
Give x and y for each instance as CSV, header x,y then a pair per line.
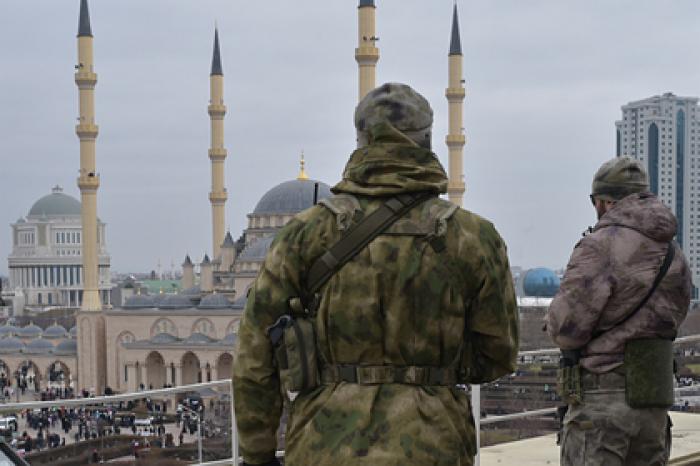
x,y
680,172
653,165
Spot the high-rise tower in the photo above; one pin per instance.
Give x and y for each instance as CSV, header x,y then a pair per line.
x,y
455,97
659,131
91,330
217,152
367,54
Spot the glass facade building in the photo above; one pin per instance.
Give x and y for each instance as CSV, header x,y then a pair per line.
x,y
661,132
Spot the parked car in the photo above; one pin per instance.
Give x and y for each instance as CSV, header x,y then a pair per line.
x,y
8,423
144,422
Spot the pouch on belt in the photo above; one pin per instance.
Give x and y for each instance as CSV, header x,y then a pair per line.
x,y
296,355
649,373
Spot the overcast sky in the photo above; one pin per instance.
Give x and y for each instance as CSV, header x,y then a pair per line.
x,y
545,82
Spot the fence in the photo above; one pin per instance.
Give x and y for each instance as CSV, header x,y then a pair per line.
x,y
217,387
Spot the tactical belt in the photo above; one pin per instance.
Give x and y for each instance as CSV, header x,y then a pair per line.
x,y
373,375
608,380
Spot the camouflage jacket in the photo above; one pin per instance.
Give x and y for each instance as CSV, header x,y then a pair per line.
x,y
609,273
395,303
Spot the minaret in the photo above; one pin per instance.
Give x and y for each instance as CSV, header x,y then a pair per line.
x,y
90,323
187,273
228,253
366,54
89,180
217,152
206,276
455,97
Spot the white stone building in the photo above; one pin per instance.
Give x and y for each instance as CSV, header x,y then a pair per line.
x,y
661,132
45,265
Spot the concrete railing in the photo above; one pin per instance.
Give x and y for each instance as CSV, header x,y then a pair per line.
x,y
234,431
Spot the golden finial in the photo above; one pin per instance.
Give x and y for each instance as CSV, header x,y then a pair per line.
x,y
302,173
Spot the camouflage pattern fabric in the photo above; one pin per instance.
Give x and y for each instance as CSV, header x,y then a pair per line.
x,y
396,303
399,106
609,272
396,104
604,431
618,178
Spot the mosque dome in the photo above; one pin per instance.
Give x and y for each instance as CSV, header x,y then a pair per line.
x,y
55,331
158,298
541,282
11,345
7,330
175,301
194,291
139,301
66,348
56,204
291,197
214,301
257,250
30,331
164,338
240,302
39,346
73,331
198,339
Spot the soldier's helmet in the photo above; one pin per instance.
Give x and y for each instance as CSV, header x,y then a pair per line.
x,y
401,107
618,178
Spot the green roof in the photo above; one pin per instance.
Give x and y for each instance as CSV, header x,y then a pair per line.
x,y
168,286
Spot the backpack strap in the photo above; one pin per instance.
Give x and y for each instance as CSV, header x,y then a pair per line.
x,y
358,236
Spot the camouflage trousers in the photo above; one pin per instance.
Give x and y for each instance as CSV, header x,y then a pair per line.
x,y
604,431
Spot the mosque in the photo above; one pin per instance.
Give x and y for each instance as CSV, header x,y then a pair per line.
x,y
174,339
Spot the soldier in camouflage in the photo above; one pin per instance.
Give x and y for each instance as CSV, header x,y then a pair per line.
x,y
432,295
611,268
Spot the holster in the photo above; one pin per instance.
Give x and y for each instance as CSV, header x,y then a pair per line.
x,y
649,373
569,377
294,341
561,414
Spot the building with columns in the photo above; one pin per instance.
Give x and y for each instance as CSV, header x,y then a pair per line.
x,y
45,264
170,339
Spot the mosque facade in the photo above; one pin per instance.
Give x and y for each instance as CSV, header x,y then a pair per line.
x,y
188,337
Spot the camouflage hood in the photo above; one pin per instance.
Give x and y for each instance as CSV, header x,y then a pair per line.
x,y
644,213
391,164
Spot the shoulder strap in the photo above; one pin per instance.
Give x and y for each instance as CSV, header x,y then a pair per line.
x,y
670,254
360,235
